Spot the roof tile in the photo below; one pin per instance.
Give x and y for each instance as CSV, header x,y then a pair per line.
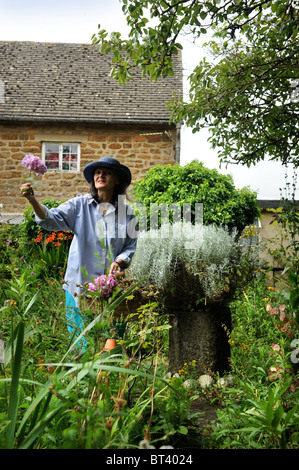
x,y
59,81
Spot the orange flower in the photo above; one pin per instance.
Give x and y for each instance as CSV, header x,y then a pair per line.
x,y
51,238
40,361
38,238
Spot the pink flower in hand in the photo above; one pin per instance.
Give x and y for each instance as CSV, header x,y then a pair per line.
x,y
32,163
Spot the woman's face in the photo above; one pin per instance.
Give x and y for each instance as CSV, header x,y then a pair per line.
x,y
105,179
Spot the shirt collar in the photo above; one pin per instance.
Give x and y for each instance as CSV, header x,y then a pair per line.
x,y
91,200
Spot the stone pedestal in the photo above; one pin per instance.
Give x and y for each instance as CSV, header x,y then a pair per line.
x,y
200,336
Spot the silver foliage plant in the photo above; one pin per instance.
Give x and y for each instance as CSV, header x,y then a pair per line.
x,y
188,258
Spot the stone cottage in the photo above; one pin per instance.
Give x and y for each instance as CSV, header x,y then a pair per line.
x,y
58,101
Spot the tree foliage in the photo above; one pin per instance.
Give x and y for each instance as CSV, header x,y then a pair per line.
x,y
245,95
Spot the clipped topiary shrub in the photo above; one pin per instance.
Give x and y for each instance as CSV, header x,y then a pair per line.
x,y
223,204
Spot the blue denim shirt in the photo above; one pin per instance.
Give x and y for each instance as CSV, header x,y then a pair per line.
x,y
98,239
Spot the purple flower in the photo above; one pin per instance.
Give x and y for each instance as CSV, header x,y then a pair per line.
x,y
34,164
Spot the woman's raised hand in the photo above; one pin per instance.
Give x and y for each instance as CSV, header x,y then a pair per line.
x,y
26,190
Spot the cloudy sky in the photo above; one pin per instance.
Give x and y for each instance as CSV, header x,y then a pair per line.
x,y
75,21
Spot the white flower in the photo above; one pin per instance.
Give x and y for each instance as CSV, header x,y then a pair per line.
x,y
229,380
225,381
205,381
188,383
221,382
145,445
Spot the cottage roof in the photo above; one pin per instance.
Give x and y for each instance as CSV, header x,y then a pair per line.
x,y
71,82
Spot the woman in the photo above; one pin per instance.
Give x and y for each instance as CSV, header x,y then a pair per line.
x,y
104,239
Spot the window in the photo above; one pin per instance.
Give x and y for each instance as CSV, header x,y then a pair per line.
x,y
64,157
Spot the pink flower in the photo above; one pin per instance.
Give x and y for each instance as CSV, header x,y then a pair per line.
x,y
274,311
103,284
282,316
91,287
32,163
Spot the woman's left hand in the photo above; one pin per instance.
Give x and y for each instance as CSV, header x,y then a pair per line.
x,y
115,267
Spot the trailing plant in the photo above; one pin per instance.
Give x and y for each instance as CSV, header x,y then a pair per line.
x,y
192,263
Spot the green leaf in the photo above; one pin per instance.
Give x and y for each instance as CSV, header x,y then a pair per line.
x,y
289,415
13,399
36,432
278,415
183,430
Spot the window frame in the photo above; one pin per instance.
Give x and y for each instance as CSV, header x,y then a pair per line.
x,y
61,144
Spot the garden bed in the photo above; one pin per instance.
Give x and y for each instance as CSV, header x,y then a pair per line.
x,y
104,400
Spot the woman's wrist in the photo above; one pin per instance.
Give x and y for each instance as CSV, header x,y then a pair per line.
x,y
120,262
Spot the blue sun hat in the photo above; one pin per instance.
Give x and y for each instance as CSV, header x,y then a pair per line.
x,y
122,171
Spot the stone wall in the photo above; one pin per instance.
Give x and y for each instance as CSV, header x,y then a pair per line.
x,y
139,147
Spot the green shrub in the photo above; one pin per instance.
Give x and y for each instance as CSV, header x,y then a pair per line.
x,y
28,227
223,204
